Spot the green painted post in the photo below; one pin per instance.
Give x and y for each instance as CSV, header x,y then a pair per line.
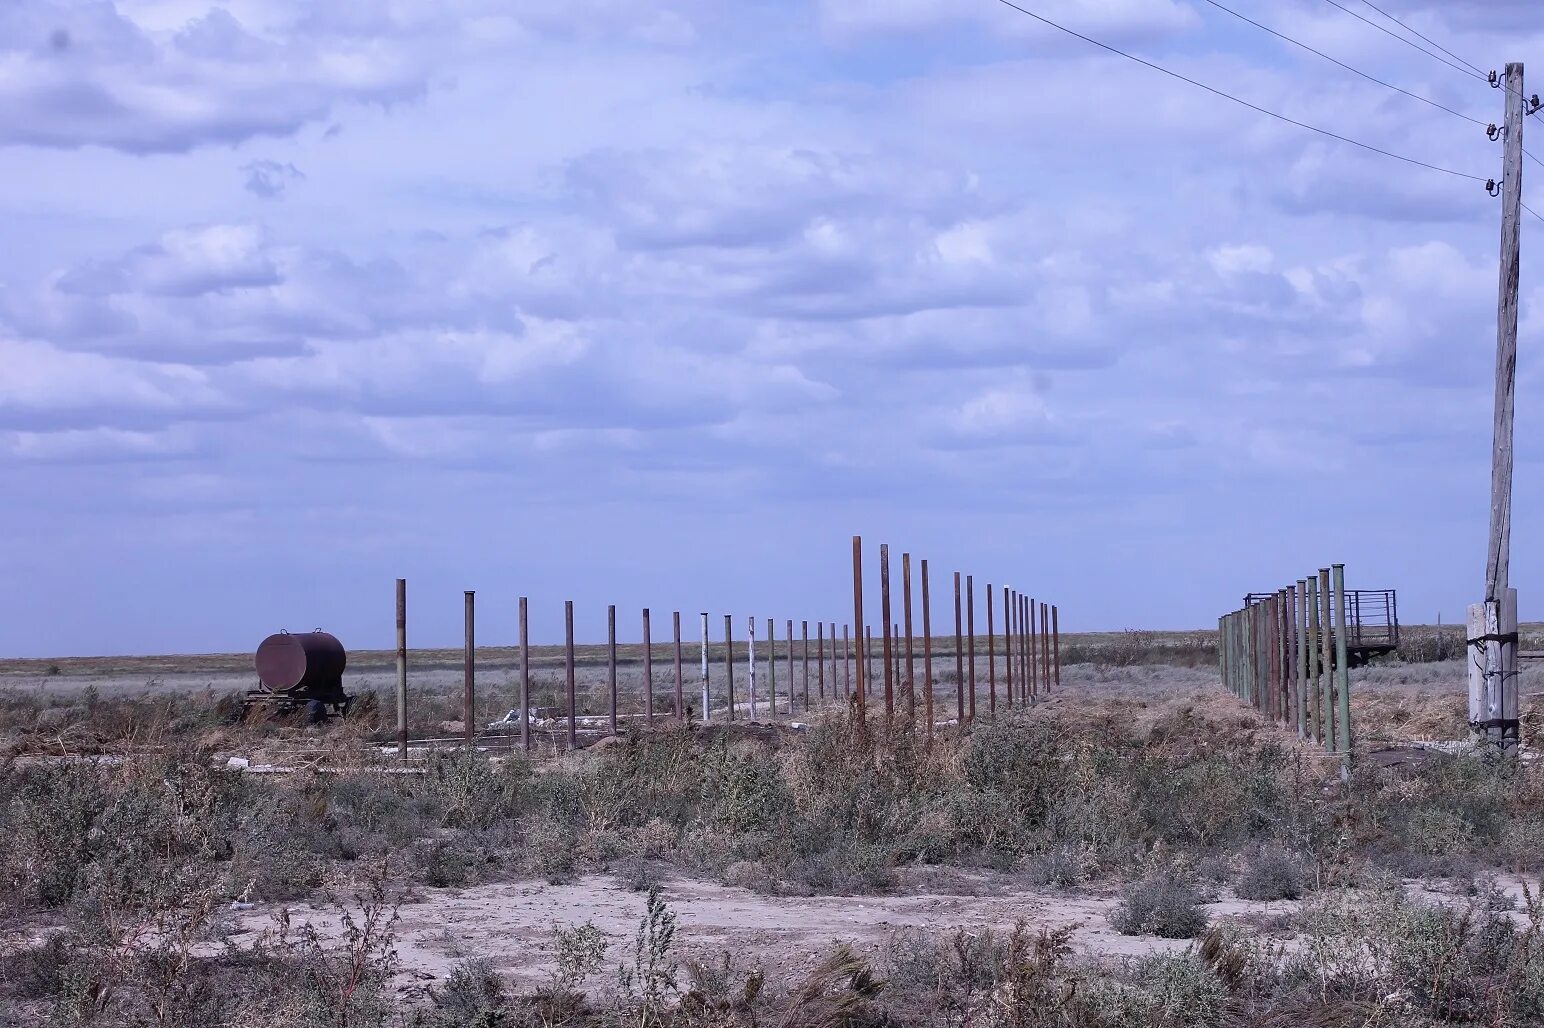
x,y
1343,670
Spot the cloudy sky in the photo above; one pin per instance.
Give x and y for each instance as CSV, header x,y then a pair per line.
x,y
659,303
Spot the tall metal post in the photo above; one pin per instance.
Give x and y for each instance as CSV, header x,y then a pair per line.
x,y
469,671
927,652
680,677
970,644
1008,644
750,660
525,678
884,608
1327,642
402,668
707,690
729,661
648,670
611,662
1342,668
790,667
991,655
568,664
911,650
804,663
1055,646
820,660
771,670
959,655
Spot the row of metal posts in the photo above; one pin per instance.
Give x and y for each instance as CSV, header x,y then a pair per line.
x,y
1286,655
1030,652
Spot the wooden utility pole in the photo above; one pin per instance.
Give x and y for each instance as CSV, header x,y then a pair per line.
x,y
1492,632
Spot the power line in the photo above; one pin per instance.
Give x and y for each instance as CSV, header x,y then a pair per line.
x,y
1533,212
1390,32
1243,103
1413,32
1343,64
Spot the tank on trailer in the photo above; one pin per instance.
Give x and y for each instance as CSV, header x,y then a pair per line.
x,y
301,669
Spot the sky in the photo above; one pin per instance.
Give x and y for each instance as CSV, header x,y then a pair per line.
x,y
658,304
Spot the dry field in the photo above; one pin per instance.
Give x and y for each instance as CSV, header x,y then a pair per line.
x,y
1137,849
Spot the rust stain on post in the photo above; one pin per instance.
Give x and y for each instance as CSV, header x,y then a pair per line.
x,y
771,669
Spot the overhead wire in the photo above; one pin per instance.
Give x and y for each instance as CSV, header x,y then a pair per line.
x,y
1343,64
1408,42
1417,34
1241,102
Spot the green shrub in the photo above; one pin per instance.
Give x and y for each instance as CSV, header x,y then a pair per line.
x,y
1273,873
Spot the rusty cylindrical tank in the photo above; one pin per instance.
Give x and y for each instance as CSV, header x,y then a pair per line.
x,y
308,664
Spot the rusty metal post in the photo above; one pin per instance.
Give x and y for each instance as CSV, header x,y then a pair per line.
x,y
525,678
911,666
1299,664
1055,646
1268,706
469,671
680,677
402,668
648,670
959,656
611,662
707,691
820,659
857,616
1342,668
991,655
884,609
750,661
868,659
568,661
847,663
804,664
1045,649
771,670
1032,647
1327,641
1311,701
790,667
1008,645
970,645
729,661
1026,655
927,652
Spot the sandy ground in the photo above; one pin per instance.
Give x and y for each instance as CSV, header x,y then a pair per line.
x,y
512,924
